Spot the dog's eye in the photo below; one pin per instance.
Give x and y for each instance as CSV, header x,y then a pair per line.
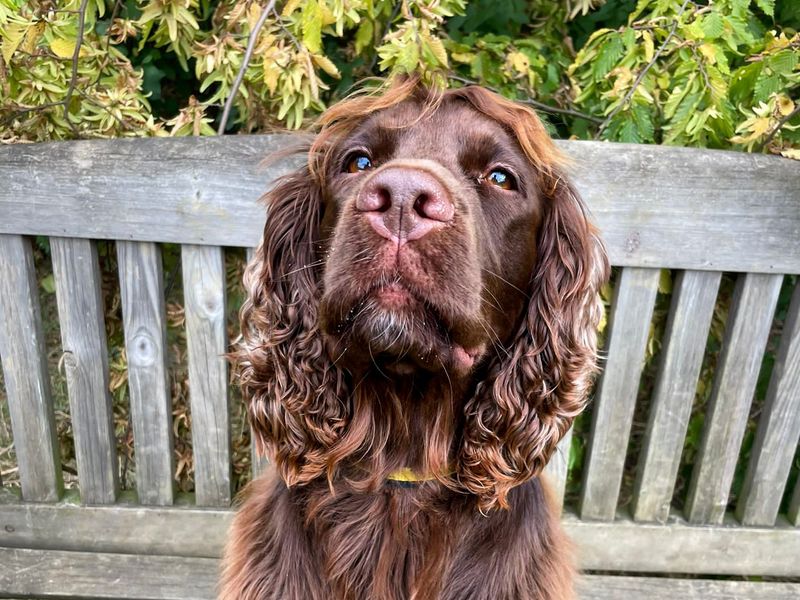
x,y
358,162
502,179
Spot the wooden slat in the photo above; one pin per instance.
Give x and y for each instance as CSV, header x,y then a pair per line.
x,y
610,587
693,299
51,574
204,298
778,430
92,575
558,467
85,359
27,383
144,315
619,545
644,197
629,326
746,334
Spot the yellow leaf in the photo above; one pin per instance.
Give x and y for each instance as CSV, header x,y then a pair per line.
x,y
519,61
324,63
709,52
33,36
63,48
649,47
253,13
15,32
785,105
437,47
793,153
290,7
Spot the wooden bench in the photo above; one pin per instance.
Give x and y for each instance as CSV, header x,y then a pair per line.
x,y
698,212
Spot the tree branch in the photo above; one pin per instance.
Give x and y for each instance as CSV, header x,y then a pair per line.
x,y
75,57
535,103
251,44
777,127
644,71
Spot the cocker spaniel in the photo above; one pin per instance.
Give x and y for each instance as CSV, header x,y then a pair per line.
x,y
419,333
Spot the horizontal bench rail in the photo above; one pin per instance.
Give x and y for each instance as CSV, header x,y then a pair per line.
x,y
203,191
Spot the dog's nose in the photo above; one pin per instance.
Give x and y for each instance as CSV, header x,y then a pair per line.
x,y
404,204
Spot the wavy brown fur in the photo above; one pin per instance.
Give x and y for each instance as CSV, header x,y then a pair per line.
x,y
328,525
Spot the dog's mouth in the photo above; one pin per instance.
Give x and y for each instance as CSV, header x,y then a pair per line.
x,y
392,326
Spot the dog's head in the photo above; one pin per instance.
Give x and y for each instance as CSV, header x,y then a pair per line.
x,y
431,239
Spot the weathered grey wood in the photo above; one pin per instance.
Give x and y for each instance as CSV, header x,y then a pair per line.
x,y
620,545
92,575
85,359
206,336
628,328
679,547
51,574
778,430
693,299
746,335
175,530
557,469
644,198
144,316
610,587
24,361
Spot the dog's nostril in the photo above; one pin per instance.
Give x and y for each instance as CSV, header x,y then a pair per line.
x,y
384,200
420,203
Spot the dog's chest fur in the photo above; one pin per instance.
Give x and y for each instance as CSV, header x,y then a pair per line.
x,y
394,544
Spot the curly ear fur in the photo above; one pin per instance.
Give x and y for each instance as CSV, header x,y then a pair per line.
x,y
295,395
529,398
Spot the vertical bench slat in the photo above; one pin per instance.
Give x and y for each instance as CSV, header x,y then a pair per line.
x,y
204,298
685,339
746,334
558,468
144,318
80,310
778,430
258,461
629,326
27,382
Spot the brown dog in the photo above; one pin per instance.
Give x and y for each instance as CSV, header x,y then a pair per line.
x,y
419,335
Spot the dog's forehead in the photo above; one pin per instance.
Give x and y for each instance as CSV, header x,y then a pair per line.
x,y
420,131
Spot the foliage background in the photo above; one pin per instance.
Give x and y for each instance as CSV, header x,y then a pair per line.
x,y
716,74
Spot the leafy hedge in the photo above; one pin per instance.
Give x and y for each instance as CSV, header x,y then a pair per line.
x,y
722,74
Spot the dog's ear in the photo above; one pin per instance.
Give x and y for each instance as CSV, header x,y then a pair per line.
x,y
292,389
529,398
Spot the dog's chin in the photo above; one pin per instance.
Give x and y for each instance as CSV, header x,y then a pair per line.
x,y
394,332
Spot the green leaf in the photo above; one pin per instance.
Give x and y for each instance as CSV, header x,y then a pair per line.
x,y
783,62
311,24
364,35
766,86
713,26
743,82
408,58
665,282
48,284
608,56
768,6
14,34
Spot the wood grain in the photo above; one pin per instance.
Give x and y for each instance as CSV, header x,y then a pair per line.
x,y
557,469
619,545
85,359
778,430
144,320
628,328
646,199
693,298
24,361
746,334
51,574
206,337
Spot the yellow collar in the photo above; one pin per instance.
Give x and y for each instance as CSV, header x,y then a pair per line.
x,y
407,475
